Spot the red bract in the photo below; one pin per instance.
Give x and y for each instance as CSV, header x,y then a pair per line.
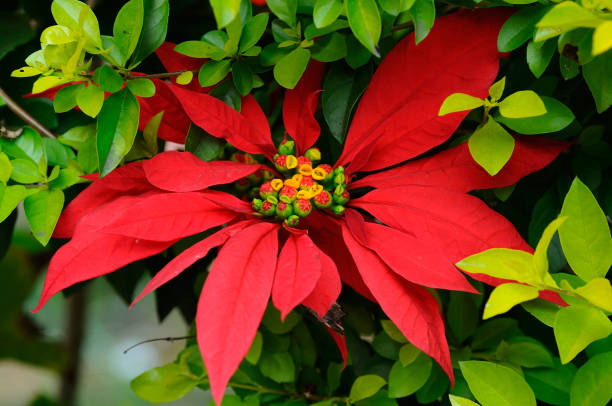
x,y
426,219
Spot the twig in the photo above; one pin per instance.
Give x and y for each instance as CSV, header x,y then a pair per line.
x,y
402,26
164,75
25,116
76,332
151,340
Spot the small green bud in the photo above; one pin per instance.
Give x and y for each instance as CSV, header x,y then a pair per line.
x,y
267,208
292,221
339,179
302,207
342,197
284,210
313,154
338,210
287,147
256,204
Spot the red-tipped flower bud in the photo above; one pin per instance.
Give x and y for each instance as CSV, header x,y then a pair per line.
x,y
266,190
285,162
313,154
341,195
307,182
292,221
284,210
302,160
323,200
302,207
267,208
287,194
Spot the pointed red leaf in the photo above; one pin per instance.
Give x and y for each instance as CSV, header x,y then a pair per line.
x,y
414,260
169,216
233,301
222,121
190,256
297,272
455,168
341,343
184,172
397,117
251,110
92,253
413,310
300,105
460,224
327,289
125,180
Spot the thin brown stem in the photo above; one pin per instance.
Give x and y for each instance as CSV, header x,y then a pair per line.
x,y
164,75
74,341
402,26
25,116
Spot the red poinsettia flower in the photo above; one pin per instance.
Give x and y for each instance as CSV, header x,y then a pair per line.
x,y
390,244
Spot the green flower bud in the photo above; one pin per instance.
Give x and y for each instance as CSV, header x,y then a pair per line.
x,y
323,200
267,208
313,154
302,207
338,210
284,210
342,197
256,204
287,147
292,221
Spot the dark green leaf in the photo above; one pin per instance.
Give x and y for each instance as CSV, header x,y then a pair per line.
x,y
15,30
539,56
519,28
243,77
597,76
489,334
154,29
423,13
357,55
329,48
65,99
117,126
57,154
253,30
277,366
203,145
552,385
128,26
212,72
284,9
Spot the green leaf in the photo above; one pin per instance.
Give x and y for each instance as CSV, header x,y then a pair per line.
x,y
150,133
528,354
393,332
277,366
592,385
491,146
141,87
57,154
524,103
290,68
406,380
602,38
154,29
497,89
42,211
5,168
566,16
459,401
77,16
385,346
364,20
242,77
184,78
90,99
272,321
519,28
496,385
597,76
117,126
408,353
212,72
366,386
597,291
200,49
284,10
108,79
539,56
15,30
540,256
459,102
163,384
552,385
128,26
66,178
356,54
27,146
255,350
312,32
225,11
25,171
504,297
253,30
542,310
557,117
203,145
462,315
585,235
78,136
503,263
12,196
326,12
576,327
423,14
329,48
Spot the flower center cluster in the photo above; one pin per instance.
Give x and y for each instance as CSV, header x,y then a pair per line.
x,y
305,185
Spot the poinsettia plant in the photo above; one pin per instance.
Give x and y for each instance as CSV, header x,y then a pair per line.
x,y
299,204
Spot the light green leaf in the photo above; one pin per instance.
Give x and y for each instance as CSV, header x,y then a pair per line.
x,y
602,38
25,171
77,136
540,256
117,126
497,89
154,29
90,99
597,76
459,401
47,82
557,117
504,297
519,28
42,211
108,79
585,235
364,20
365,386
598,291
5,168
552,385
566,16
503,263
200,49
225,11
128,26
253,30
255,351
392,331
66,178
524,103
290,68
576,327
406,380
527,354
57,153
459,102
141,87
326,12
212,72
491,146
26,72
496,385
408,353
184,78
27,146
163,384
77,16
423,14
592,385
12,196
284,10
277,366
